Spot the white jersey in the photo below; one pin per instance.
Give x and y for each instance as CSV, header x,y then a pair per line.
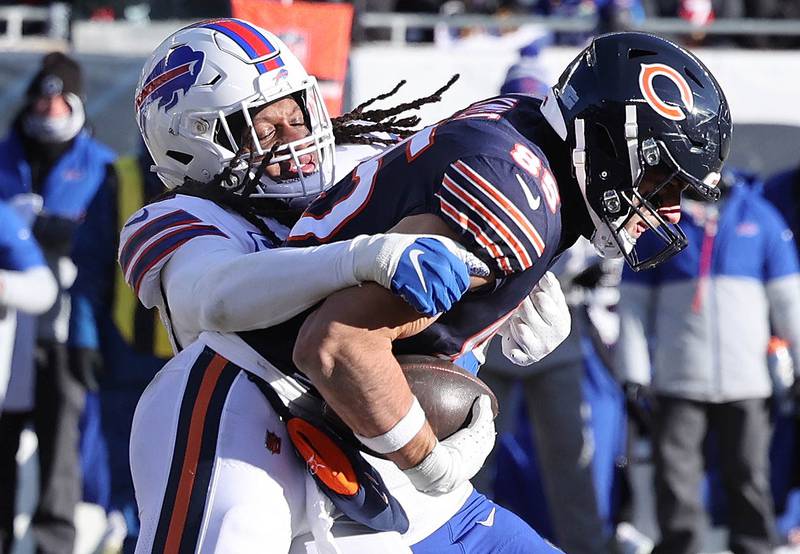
x,y
161,231
154,234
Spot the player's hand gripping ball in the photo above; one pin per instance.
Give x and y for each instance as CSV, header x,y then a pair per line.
x,y
445,391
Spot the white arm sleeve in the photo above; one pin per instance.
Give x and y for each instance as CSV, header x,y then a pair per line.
x,y
210,284
33,290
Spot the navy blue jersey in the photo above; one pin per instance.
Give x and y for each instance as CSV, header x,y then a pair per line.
x,y
491,184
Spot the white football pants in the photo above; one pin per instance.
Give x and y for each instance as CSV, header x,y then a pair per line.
x,y
214,471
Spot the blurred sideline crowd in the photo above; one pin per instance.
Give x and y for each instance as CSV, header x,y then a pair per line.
x,y
610,15
693,366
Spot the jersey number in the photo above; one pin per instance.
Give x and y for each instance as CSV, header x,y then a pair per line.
x,y
531,163
325,225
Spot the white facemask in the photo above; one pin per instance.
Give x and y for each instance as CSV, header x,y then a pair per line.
x,y
54,130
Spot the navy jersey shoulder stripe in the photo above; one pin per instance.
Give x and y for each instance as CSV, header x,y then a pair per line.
x,y
476,212
494,194
474,202
463,221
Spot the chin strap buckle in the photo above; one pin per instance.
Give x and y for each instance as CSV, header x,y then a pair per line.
x,y
650,152
611,202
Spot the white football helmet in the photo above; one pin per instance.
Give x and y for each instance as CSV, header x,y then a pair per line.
x,y
194,102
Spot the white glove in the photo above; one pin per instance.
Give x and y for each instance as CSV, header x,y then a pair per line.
x,y
376,257
457,458
539,325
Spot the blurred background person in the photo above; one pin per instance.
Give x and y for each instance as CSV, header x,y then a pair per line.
x,y
50,160
783,191
26,285
702,322
528,74
27,288
128,340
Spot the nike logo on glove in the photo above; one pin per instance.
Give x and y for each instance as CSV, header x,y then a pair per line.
x,y
533,201
489,521
414,255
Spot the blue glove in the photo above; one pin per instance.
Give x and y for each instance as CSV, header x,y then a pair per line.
x,y
430,277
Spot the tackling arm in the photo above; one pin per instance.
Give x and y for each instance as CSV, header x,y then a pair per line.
x,y
209,282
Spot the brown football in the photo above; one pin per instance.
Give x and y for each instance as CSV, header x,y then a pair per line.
x,y
445,391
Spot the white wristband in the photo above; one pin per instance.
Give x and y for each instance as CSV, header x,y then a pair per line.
x,y
399,435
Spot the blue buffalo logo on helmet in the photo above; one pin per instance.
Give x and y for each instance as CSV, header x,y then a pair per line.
x,y
177,71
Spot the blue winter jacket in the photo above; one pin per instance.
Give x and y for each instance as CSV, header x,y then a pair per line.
x,y
702,319
67,193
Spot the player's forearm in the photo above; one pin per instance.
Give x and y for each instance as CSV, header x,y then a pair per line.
x,y
208,282
364,384
345,348
33,290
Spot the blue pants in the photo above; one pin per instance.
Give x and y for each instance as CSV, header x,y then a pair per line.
x,y
483,527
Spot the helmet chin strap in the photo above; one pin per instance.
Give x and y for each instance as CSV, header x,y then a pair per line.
x,y
632,139
601,238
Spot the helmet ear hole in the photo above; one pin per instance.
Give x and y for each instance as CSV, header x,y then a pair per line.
x,y
236,125
214,80
698,145
181,157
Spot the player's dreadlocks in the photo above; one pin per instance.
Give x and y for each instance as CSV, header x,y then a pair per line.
x,y
359,126
355,127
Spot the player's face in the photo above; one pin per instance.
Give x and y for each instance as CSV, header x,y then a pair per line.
x,y
282,122
667,201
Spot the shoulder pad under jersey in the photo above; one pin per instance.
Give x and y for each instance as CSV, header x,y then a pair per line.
x,y
152,234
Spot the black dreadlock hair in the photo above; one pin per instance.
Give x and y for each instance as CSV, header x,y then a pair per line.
x,y
355,127
358,126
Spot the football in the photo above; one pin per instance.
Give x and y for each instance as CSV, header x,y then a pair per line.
x,y
445,391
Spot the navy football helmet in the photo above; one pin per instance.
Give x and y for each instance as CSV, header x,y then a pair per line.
x,y
645,119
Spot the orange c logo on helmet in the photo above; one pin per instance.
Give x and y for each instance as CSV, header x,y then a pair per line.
x,y
646,76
